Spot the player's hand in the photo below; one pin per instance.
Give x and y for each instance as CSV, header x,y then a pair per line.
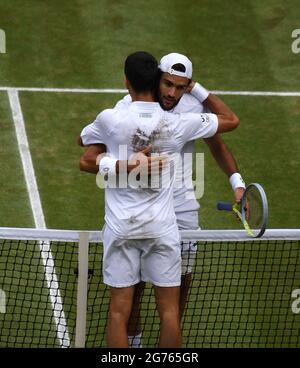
x,y
151,164
147,151
156,163
136,159
238,194
190,87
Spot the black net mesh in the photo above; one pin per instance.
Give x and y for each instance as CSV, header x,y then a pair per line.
x,y
240,296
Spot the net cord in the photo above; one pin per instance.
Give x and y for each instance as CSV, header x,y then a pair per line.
x,y
186,235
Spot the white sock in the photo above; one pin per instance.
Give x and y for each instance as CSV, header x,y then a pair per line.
x,y
135,341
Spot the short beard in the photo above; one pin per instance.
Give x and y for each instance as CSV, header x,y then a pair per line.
x,y
165,108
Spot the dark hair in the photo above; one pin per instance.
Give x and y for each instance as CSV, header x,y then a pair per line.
x,y
141,69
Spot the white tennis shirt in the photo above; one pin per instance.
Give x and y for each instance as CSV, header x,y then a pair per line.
x,y
144,213
184,196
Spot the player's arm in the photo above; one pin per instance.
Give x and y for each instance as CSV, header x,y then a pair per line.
x,y
79,142
227,119
93,137
217,146
88,161
227,163
151,165
222,154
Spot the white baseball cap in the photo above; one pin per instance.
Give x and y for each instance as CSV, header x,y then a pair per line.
x,y
167,62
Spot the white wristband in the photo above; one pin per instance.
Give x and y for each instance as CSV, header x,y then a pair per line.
x,y
237,181
199,92
107,165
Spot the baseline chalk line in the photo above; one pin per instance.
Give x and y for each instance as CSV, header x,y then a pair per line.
x,y
116,90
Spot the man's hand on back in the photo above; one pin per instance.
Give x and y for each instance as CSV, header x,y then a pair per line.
x,y
147,162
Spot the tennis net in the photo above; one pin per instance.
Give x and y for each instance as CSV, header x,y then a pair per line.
x,y
245,292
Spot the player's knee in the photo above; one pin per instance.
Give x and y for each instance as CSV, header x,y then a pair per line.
x,y
170,318
119,316
120,311
169,314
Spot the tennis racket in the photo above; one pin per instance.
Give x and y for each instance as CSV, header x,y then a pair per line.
x,y
252,210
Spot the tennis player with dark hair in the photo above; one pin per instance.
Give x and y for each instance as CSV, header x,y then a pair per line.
x,y
141,239
178,93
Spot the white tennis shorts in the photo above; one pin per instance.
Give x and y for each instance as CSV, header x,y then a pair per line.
x,y
188,221
126,262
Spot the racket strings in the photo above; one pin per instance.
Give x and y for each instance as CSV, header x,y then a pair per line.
x,y
254,209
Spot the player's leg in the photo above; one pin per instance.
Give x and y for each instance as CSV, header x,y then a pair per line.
x,y
119,312
187,221
134,329
186,281
188,258
161,265
167,302
121,271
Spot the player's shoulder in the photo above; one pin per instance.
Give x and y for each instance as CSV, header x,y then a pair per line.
x,y
171,116
179,116
106,119
124,102
188,103
127,99
106,115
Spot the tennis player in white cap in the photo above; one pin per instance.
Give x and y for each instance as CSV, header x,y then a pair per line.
x,y
179,94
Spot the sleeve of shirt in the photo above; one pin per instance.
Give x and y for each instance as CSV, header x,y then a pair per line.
x,y
96,132
124,103
195,126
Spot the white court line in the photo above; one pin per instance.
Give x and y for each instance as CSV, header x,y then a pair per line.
x,y
39,220
112,90
65,90
257,93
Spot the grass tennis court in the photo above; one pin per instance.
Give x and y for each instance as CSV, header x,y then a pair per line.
x,y
242,47
70,198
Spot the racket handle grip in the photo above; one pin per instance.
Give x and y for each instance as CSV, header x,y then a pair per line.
x,y
224,206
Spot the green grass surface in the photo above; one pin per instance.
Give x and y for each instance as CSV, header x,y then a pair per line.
x,y
244,45
236,45
15,208
269,125
71,199
84,45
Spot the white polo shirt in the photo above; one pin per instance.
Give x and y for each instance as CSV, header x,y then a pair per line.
x,y
144,213
184,196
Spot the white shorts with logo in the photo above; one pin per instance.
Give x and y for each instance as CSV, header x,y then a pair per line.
x,y
126,262
188,221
